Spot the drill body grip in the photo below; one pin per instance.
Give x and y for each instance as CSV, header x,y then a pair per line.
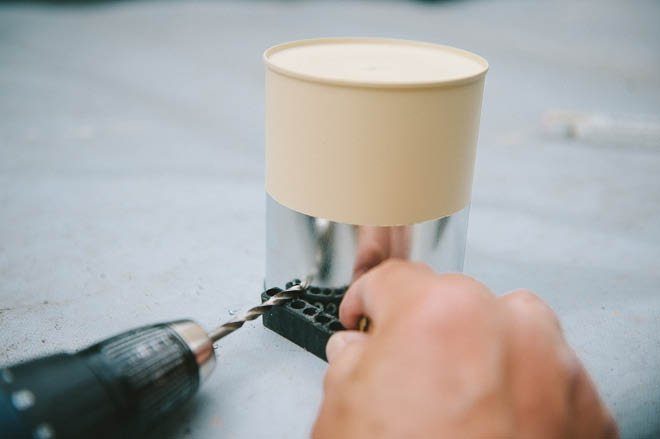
x,y
115,388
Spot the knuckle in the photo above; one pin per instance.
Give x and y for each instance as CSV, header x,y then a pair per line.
x,y
529,303
458,289
397,264
392,264
461,284
458,279
523,296
422,266
441,312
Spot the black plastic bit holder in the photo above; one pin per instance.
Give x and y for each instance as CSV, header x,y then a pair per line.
x,y
308,321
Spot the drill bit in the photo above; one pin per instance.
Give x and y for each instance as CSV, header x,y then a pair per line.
x,y
278,299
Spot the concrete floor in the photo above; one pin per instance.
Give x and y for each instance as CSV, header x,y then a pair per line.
x,y
131,183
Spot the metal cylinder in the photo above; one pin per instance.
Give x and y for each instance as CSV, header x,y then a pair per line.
x,y
370,149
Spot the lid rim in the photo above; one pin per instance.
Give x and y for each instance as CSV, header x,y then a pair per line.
x,y
375,84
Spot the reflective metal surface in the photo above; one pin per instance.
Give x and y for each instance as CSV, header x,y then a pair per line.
x,y
299,245
200,345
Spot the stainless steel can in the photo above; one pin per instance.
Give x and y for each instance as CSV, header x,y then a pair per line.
x,y
370,150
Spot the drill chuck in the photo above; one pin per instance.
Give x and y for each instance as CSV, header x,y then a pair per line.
x,y
118,387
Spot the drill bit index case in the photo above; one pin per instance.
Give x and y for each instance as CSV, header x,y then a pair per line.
x,y
308,321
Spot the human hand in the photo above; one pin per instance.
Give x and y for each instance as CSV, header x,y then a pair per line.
x,y
444,357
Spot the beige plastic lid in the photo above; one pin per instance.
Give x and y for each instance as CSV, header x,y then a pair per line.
x,y
372,131
375,62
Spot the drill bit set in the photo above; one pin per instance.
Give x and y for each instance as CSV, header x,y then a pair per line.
x,y
309,320
305,315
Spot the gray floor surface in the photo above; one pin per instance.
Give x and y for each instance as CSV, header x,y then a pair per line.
x,y
131,183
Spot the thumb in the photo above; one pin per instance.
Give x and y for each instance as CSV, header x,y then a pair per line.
x,y
340,341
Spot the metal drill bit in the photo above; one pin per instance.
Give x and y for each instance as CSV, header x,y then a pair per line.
x,y
253,313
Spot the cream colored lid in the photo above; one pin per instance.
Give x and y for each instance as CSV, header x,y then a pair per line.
x,y
372,131
375,62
